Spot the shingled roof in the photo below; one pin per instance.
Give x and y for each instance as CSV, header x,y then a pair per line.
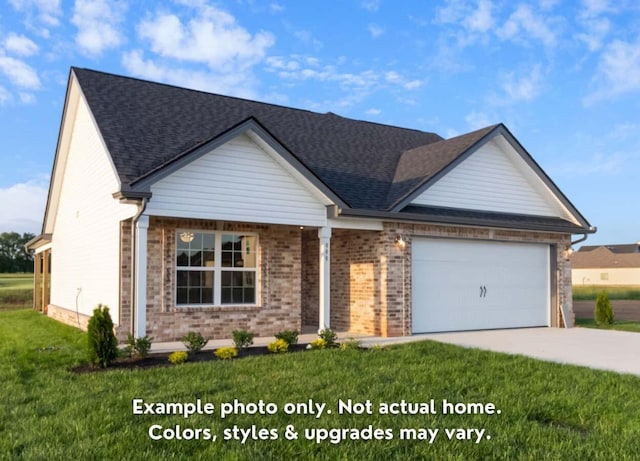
x,y
370,167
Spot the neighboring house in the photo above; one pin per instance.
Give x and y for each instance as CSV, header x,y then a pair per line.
x,y
607,265
183,210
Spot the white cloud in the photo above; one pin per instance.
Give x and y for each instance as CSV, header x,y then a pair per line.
x,y
370,5
373,111
20,45
5,96
276,7
476,120
595,27
47,11
481,20
475,18
23,206
97,22
375,30
596,164
522,87
19,73
27,98
618,70
524,23
211,37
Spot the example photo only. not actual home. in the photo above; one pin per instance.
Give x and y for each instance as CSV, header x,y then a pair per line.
x,y
189,211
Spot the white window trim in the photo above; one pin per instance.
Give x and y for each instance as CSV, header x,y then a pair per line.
x,y
217,269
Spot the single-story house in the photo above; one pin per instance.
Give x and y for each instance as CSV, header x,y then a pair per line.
x,y
188,211
606,265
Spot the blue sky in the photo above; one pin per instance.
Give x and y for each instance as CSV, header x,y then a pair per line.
x,y
564,76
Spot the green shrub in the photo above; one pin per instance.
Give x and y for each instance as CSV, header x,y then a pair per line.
x,y
139,346
319,343
178,357
330,337
194,342
278,346
603,313
350,344
289,336
225,353
102,342
242,338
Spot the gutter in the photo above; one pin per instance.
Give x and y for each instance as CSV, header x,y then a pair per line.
x,y
584,236
142,205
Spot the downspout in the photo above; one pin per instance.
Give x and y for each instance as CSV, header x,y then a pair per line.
x,y
581,239
134,221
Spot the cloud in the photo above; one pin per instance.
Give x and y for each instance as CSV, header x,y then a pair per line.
x,y
476,18
5,96
19,73
480,19
370,5
597,164
46,11
20,45
23,207
97,22
476,120
373,111
524,23
523,86
618,71
375,30
595,27
276,7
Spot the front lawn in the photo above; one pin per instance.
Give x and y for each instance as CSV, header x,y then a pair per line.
x,y
547,411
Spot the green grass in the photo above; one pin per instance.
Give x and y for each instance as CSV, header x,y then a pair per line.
x,y
621,325
549,411
16,291
590,293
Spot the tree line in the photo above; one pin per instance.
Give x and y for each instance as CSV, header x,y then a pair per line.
x,y
13,257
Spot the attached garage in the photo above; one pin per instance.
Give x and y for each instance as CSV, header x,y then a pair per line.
x,y
475,285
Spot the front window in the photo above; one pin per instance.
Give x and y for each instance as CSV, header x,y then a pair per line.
x,y
214,268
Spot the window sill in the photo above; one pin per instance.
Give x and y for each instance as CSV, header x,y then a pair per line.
x,y
212,308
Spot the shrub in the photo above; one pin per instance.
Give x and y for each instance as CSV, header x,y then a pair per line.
x,y
603,312
242,338
102,342
288,336
225,353
139,346
350,344
278,346
178,357
318,343
194,342
329,336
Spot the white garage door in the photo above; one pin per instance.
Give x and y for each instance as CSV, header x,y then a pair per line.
x,y
476,285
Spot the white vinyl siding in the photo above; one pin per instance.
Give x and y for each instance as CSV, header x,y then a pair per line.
x,y
475,285
494,178
86,237
238,181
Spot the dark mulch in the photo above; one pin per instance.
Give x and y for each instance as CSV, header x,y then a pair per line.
x,y
162,359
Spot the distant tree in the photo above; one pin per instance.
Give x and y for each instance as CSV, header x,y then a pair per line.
x,y
13,256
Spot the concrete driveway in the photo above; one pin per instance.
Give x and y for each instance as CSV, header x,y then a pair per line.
x,y
601,349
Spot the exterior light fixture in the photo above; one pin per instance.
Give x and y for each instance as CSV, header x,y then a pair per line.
x,y
186,237
400,242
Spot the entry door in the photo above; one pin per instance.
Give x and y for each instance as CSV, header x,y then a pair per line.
x,y
477,285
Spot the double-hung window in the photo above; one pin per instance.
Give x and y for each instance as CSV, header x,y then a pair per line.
x,y
215,268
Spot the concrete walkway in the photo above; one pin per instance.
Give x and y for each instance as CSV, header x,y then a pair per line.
x,y
600,349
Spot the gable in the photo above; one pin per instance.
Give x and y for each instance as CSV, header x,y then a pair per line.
x,y
494,178
239,181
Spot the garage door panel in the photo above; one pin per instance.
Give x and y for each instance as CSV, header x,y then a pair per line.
x,y
469,285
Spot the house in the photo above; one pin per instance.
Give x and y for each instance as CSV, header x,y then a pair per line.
x,y
183,210
607,265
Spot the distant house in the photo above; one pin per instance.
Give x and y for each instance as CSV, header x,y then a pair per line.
x,y
183,210
607,265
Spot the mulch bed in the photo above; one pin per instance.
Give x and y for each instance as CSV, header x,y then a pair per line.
x,y
162,359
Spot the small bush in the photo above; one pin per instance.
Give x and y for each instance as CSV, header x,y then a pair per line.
x,y
194,342
102,342
242,338
330,337
319,343
178,357
225,353
603,313
350,344
278,346
288,336
139,346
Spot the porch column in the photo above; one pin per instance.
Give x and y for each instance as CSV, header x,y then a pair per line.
x,y
140,306
324,235
37,280
45,280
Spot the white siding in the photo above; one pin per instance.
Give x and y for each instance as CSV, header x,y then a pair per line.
x,y
85,242
238,181
493,178
620,276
